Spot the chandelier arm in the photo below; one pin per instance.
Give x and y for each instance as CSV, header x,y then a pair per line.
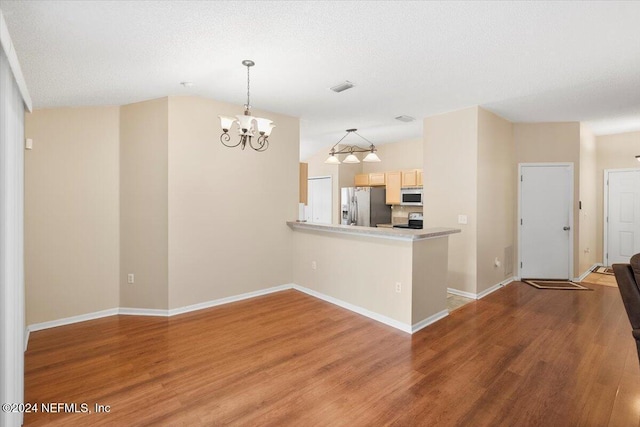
x,y
262,143
225,138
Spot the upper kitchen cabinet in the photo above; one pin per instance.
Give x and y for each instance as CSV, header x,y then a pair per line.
x,y
376,179
393,185
410,178
370,180
362,180
419,177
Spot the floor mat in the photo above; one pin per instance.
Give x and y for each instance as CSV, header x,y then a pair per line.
x,y
555,284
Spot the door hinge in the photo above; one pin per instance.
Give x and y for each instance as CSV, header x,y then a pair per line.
x,y
521,178
520,265
520,221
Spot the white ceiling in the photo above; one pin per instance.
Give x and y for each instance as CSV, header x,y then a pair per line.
x,y
527,61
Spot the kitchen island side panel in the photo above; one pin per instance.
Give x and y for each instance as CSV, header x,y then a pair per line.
x,y
359,270
429,288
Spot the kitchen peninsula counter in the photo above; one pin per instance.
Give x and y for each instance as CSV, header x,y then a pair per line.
x,y
395,276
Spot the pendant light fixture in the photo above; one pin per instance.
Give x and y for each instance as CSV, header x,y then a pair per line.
x,y
350,149
247,124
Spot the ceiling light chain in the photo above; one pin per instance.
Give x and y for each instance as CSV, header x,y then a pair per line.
x,y
350,149
247,124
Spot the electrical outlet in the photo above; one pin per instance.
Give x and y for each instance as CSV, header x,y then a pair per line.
x,y
314,265
398,287
130,278
497,262
462,219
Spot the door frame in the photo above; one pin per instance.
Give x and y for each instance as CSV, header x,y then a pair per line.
x,y
605,206
571,211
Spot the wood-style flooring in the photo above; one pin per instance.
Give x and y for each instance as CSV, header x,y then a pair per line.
x,y
519,357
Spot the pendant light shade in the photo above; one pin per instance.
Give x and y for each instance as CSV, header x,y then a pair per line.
x,y
332,160
371,157
351,158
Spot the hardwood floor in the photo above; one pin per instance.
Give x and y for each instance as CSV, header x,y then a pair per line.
x,y
519,357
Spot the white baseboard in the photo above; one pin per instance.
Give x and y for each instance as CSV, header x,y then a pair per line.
x,y
586,273
481,294
429,320
143,311
494,288
73,319
27,332
227,300
149,311
357,309
181,310
462,293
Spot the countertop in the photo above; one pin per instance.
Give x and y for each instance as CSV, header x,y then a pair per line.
x,y
385,225
381,232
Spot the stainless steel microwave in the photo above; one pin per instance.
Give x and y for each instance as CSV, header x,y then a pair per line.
x,y
411,196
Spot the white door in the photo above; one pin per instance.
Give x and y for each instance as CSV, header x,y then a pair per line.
x,y
623,212
319,200
546,199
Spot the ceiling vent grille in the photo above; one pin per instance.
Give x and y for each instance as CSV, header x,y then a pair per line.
x,y
405,118
342,86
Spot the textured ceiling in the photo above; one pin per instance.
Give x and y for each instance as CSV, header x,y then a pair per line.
x,y
527,61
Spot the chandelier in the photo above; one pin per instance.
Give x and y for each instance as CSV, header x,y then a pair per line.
x,y
247,124
350,149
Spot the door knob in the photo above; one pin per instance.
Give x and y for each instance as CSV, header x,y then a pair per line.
x,y
566,228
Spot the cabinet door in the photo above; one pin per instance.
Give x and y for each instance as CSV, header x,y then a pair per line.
x,y
409,178
362,180
376,179
394,183
419,177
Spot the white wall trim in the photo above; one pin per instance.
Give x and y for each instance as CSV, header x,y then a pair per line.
x,y
227,300
404,327
410,329
495,287
73,319
130,311
27,332
586,273
484,293
14,64
428,321
462,293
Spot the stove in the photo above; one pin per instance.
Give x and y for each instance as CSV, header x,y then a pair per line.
x,y
415,222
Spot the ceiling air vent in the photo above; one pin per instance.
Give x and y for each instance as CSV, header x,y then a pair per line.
x,y
342,86
405,118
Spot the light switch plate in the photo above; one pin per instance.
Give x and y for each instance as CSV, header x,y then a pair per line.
x,y
28,144
462,219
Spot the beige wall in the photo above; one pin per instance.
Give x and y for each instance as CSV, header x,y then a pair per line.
x,y
397,156
227,207
71,212
450,156
143,204
612,152
553,143
588,187
497,199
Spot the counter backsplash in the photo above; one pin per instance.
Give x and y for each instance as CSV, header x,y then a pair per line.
x,y
400,214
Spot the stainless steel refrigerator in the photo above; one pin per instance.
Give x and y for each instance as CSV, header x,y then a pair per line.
x,y
364,206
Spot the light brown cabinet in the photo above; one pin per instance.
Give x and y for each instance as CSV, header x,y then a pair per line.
x,y
362,180
410,178
393,185
419,177
376,179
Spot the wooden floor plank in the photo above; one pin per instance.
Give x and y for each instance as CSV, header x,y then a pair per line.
x,y
520,356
